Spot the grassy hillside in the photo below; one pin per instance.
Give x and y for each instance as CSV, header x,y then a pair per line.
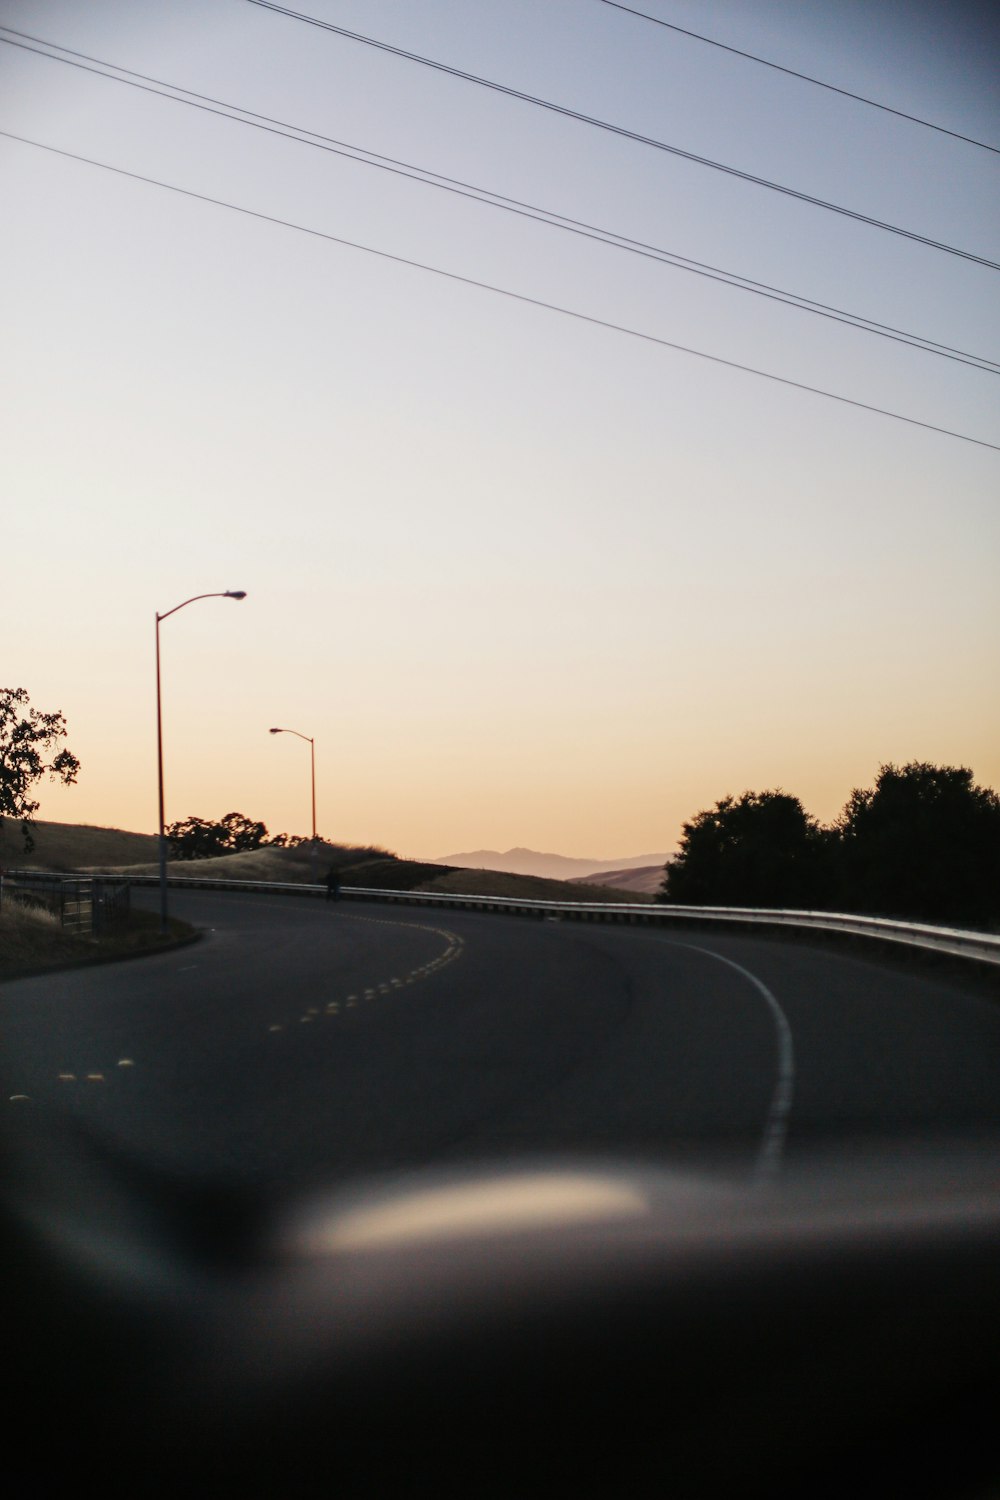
x,y
68,846
643,881
528,887
73,846
292,865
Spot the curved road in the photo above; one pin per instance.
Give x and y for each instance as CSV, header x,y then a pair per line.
x,y
300,1043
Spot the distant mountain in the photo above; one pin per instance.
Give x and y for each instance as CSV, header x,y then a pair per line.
x,y
551,866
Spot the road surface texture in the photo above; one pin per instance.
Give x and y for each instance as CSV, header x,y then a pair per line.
x,y
302,1043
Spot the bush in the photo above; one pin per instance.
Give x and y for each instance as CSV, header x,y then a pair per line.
x,y
761,849
924,842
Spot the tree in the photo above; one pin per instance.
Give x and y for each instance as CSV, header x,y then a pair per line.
x,y
196,838
28,739
761,849
924,842
242,833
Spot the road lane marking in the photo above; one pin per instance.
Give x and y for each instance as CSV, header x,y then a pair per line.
x,y
772,1144
386,987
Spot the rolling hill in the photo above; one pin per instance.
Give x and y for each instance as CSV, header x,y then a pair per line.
x,y
64,847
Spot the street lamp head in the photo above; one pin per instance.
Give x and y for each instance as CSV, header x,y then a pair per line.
x,y
235,594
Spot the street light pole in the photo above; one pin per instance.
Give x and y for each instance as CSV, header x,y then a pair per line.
x,y
312,754
227,594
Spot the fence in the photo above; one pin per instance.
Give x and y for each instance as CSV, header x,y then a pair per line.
x,y
84,905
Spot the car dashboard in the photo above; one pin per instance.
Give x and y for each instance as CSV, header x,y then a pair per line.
x,y
508,1328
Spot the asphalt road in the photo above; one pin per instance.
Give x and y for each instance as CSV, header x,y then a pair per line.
x,y
300,1043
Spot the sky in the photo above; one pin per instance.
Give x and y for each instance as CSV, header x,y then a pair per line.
x,y
525,579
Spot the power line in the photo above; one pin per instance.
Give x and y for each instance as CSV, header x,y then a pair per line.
x,y
806,77
487,286
631,135
179,95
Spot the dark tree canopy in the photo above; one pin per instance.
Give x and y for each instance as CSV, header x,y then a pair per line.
x,y
243,833
28,741
198,838
760,849
195,838
924,842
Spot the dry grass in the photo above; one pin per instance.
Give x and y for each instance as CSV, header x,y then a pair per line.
x,y
73,846
290,865
81,847
528,887
646,880
32,940
67,846
17,919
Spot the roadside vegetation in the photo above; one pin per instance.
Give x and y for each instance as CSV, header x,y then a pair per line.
x,y
922,844
201,838
32,940
526,887
30,750
293,863
110,851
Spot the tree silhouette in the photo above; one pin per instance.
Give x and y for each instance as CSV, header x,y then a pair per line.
x,y
27,739
242,833
760,849
199,838
924,842
196,838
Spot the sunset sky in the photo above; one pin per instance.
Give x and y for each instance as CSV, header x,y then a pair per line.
x,y
527,580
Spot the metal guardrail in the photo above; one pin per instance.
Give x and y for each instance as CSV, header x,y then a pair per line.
x,y
983,947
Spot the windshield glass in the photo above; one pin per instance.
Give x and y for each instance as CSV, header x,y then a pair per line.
x,y
460,450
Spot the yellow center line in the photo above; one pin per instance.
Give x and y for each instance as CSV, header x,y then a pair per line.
x,y
386,987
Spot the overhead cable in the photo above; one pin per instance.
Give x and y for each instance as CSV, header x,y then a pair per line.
x,y
486,286
805,77
478,194
626,134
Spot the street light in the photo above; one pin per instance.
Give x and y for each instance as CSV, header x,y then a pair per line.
x,y
312,750
227,594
